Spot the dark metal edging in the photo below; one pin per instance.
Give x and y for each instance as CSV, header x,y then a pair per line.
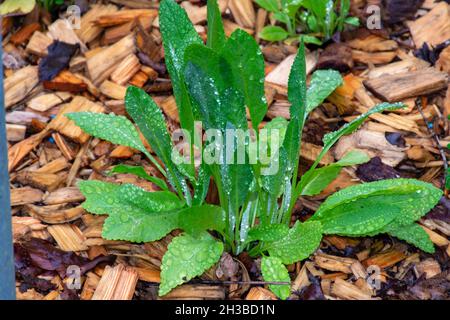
x,y
7,279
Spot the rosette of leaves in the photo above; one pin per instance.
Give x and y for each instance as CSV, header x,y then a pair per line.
x,y
316,20
214,84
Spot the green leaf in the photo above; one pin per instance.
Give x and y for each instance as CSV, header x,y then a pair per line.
x,y
193,220
300,242
297,97
178,33
140,226
115,129
188,257
101,197
140,172
247,64
353,21
134,214
415,235
331,138
151,122
273,33
311,39
316,182
269,5
268,233
273,270
323,83
17,6
366,209
216,33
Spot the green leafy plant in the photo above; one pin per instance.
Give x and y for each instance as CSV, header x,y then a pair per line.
x,y
316,20
214,83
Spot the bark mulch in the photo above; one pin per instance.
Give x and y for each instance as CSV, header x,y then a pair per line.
x,y
51,69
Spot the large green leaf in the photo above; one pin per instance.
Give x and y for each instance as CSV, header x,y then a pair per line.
x,y
268,233
115,129
178,33
151,122
300,242
273,270
134,214
193,220
188,257
216,32
413,234
247,64
366,209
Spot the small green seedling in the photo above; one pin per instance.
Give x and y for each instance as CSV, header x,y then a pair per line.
x,y
313,21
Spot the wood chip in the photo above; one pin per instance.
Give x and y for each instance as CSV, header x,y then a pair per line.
x,y
68,237
25,195
45,102
66,126
101,65
20,84
348,291
433,28
405,85
117,283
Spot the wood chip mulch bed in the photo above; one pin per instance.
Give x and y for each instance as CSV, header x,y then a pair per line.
x,y
119,44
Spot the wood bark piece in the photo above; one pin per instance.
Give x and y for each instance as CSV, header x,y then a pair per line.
x,y
21,149
198,14
126,70
386,259
68,237
45,102
429,267
15,132
66,81
433,28
124,16
38,44
25,195
53,166
63,195
43,181
399,67
24,33
102,65
61,30
169,106
67,127
20,84
258,293
280,75
113,90
373,43
409,84
196,292
117,283
88,30
373,57
334,263
148,275
243,12
443,64
348,291
54,214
